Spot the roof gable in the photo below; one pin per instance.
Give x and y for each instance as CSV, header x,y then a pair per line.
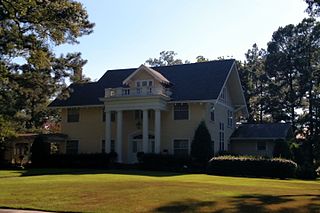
x,y
156,75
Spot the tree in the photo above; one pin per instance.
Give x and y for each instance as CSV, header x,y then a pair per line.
x,y
201,147
280,65
313,7
257,83
30,73
200,58
166,58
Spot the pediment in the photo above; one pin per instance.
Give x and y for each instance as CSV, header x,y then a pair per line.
x,y
144,71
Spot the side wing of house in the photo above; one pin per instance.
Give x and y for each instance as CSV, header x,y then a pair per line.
x,y
228,109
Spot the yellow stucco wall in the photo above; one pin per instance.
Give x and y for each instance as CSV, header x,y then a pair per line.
x,y
90,130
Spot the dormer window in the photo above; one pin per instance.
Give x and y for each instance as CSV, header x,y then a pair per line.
x,y
144,83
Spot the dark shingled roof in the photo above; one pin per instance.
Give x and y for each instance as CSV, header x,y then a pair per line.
x,y
265,131
197,81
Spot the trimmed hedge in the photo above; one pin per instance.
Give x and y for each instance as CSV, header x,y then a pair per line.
x,y
251,166
164,162
97,160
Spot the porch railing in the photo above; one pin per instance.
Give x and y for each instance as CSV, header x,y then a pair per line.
x,y
136,91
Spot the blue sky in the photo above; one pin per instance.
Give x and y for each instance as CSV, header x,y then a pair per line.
x,y
129,32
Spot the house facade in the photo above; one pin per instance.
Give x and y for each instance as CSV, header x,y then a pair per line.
x,y
153,110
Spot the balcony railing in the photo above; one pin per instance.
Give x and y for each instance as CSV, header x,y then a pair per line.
x,y
136,91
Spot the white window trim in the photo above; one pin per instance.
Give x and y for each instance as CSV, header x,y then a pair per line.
x,y
187,139
189,112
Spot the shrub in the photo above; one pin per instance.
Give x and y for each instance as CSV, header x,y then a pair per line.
x,y
40,152
306,171
281,149
98,160
252,166
164,162
201,147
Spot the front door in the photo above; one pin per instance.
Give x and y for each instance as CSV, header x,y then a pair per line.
x,y
136,145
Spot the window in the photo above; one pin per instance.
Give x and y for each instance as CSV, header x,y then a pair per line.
x,y
144,83
181,111
223,94
212,112
73,115
221,136
103,146
261,146
230,118
112,146
72,147
181,147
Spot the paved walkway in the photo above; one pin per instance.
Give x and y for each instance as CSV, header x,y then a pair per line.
x,y
20,211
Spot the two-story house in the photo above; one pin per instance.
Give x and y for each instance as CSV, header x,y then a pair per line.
x,y
153,110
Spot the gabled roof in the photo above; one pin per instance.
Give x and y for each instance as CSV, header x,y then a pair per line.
x,y
151,71
263,131
197,81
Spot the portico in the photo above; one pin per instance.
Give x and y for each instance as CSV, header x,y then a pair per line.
x,y
146,131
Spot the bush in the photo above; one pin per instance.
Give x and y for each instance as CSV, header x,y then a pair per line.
x,y
201,147
164,162
98,160
252,166
306,171
40,152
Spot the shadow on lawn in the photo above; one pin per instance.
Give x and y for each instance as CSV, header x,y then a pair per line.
x,y
188,205
249,203
35,172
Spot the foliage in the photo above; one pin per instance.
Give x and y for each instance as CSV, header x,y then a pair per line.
x,y
166,58
249,166
30,73
164,162
201,147
40,152
281,149
200,58
313,7
94,160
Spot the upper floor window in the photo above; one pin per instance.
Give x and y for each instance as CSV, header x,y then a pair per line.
x,y
181,111
73,115
223,96
212,113
230,118
144,83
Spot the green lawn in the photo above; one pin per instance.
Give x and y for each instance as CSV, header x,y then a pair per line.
x,y
120,191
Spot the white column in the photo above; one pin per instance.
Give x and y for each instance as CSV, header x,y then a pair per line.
x,y
157,131
145,133
119,136
108,131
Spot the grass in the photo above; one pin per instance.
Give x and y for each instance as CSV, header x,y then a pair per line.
x,y
137,191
